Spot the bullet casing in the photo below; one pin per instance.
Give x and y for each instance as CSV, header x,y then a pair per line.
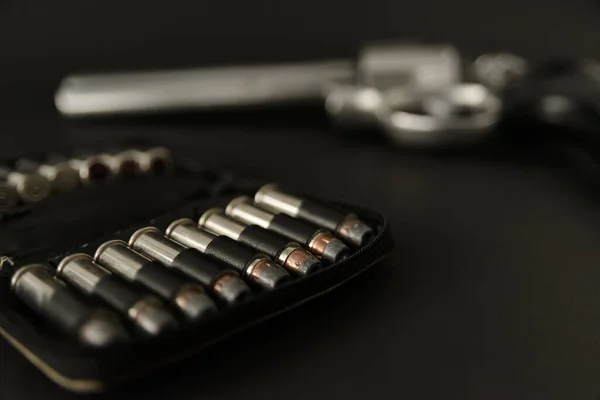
x,y
124,163
214,221
62,177
190,298
320,242
92,169
256,267
288,254
36,286
156,161
146,312
224,282
30,187
242,209
346,225
273,200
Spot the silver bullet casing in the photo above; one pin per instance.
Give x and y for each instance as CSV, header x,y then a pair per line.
x,y
320,242
255,267
145,311
346,225
155,161
242,209
288,254
92,169
224,282
271,199
30,187
62,177
124,163
189,297
36,286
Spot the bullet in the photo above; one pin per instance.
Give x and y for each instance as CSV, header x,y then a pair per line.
x,y
320,242
255,267
286,253
346,225
145,311
189,297
92,169
62,177
124,164
36,286
156,161
224,282
30,187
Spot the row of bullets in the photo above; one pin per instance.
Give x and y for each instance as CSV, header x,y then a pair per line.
x,y
160,280
34,180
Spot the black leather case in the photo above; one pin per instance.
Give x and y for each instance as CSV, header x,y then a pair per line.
x,y
81,220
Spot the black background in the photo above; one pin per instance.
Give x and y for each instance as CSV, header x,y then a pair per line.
x,y
492,291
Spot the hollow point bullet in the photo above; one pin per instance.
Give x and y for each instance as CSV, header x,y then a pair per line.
x,y
30,187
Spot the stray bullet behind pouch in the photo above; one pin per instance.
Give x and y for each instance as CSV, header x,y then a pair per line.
x,y
30,187
92,168
62,177
155,161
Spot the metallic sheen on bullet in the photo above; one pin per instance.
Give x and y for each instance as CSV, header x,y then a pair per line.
x,y
145,311
320,242
256,267
125,163
189,297
92,169
30,187
224,282
288,254
346,225
62,177
36,286
156,161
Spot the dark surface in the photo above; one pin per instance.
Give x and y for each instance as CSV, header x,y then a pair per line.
x,y
492,291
